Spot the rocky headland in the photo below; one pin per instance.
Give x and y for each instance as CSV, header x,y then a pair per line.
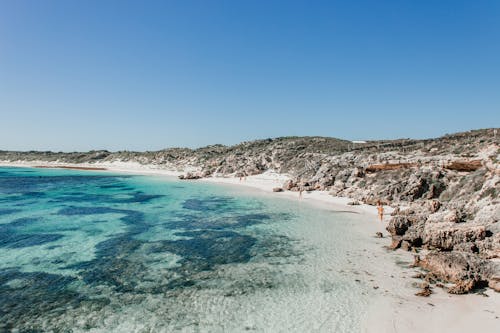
x,y
444,191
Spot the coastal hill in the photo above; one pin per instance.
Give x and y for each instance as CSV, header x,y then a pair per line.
x,y
444,190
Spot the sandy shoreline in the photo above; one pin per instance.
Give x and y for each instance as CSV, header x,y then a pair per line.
x,y
69,167
396,309
264,182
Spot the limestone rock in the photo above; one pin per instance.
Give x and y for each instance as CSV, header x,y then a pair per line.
x,y
191,175
434,205
289,184
396,242
425,290
446,235
405,245
462,287
414,234
464,165
465,270
494,283
400,223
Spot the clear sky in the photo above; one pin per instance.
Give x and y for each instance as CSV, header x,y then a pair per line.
x,y
145,75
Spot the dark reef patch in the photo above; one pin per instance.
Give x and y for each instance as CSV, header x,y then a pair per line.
x,y
194,222
29,296
33,195
208,204
75,210
14,240
247,220
277,246
139,197
133,218
10,237
135,197
116,266
208,248
8,211
22,222
112,265
110,186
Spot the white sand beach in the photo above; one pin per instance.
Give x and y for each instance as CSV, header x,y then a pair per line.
x,y
396,308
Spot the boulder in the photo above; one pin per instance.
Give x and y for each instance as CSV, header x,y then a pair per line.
x,y
414,234
425,290
415,188
464,166
405,245
289,184
396,242
396,211
490,246
190,175
433,205
399,224
494,283
357,172
466,270
462,287
446,235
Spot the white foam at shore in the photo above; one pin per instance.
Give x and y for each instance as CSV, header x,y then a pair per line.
x,y
396,309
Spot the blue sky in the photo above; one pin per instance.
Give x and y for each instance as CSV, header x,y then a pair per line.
x,y
145,75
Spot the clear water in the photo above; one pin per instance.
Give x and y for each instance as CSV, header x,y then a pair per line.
x,y
102,252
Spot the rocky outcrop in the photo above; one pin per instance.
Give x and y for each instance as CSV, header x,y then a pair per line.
x,y
388,166
494,282
466,271
446,236
444,190
191,175
465,166
425,291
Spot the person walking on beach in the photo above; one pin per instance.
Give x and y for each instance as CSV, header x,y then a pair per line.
x,y
300,193
380,210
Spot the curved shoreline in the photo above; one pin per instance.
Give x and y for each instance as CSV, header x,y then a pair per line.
x,y
396,309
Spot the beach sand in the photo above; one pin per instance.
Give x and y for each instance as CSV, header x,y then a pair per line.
x,y
396,308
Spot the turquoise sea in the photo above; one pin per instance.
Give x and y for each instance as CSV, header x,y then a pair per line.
x,y
88,251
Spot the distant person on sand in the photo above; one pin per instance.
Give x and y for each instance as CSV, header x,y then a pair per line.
x,y
300,193
380,210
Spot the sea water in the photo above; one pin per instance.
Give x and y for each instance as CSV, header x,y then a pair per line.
x,y
87,251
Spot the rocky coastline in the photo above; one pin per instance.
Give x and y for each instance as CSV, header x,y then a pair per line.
x,y
444,191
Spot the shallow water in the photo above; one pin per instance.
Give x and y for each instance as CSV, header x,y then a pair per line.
x,y
100,252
